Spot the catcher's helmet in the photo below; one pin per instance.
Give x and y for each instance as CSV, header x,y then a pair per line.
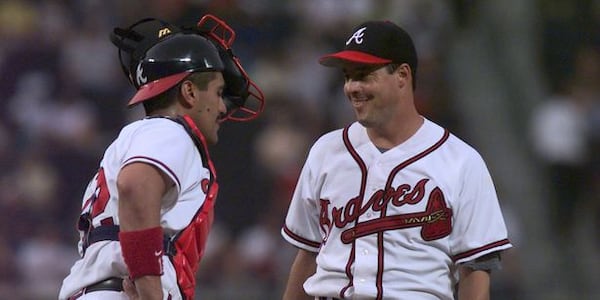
x,y
156,56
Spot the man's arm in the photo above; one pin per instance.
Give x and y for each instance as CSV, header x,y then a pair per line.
x,y
141,188
473,284
303,267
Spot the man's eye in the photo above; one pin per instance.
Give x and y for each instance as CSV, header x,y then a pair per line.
x,y
356,76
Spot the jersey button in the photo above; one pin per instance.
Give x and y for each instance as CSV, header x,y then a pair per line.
x,y
365,252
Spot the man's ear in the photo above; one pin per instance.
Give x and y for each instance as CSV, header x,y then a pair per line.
x,y
186,90
403,71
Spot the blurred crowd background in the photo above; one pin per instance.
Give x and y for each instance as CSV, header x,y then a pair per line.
x,y
517,79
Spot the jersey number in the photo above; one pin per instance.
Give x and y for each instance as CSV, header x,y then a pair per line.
x,y
99,198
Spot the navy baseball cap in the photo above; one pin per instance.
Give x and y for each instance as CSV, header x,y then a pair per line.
x,y
375,43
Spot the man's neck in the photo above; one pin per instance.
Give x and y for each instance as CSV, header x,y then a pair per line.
x,y
165,112
394,134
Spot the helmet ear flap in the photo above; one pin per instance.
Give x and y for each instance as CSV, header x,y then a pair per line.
x,y
237,84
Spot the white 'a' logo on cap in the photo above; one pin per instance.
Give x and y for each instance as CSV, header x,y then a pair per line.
x,y
139,76
357,36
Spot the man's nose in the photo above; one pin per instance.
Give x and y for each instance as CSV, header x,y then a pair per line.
x,y
352,85
222,106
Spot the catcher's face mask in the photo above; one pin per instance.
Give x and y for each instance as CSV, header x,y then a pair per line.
x,y
244,100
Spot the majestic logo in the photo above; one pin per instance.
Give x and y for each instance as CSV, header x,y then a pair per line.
x,y
139,77
163,32
435,220
357,36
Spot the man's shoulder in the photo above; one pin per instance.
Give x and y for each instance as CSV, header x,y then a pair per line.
x,y
459,147
333,136
153,133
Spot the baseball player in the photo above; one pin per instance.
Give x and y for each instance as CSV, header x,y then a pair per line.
x,y
392,206
147,212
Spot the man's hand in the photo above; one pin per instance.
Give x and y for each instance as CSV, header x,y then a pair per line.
x,y
130,289
152,290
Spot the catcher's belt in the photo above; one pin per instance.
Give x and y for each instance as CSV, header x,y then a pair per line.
x,y
110,284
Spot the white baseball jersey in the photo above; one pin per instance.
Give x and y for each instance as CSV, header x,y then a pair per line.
x,y
393,225
166,145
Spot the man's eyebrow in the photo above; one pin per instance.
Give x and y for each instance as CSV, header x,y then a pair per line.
x,y
361,69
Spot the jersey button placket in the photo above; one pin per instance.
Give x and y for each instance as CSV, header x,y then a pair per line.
x,y
365,265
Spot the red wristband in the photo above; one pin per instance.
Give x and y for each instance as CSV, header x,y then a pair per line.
x,y
142,251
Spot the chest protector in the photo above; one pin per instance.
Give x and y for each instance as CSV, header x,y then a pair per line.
x,y
187,247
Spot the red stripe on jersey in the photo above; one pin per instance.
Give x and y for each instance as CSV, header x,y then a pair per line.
x,y
137,158
480,249
417,157
361,196
300,239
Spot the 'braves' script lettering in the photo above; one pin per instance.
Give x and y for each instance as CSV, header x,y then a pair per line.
x,y
435,220
379,201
